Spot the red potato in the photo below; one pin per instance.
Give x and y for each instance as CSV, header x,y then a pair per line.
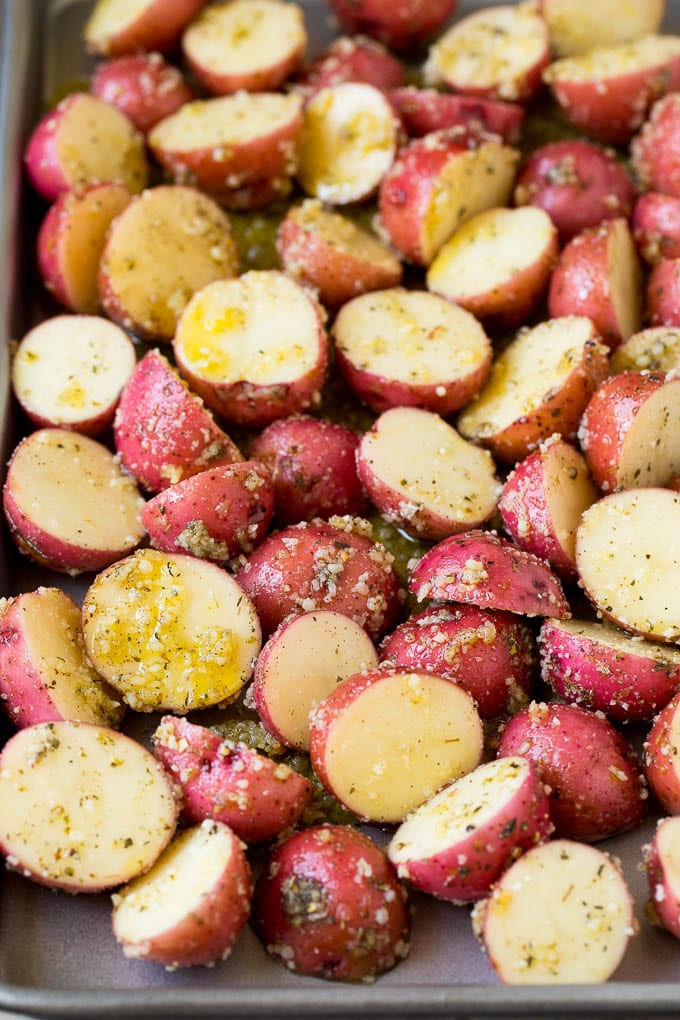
x,y
71,240
663,293
654,150
348,143
333,255
82,141
656,226
352,58
163,432
423,477
401,25
328,904
160,250
654,350
661,756
44,673
245,44
542,502
495,53
630,430
481,569
118,27
313,468
539,386
190,908
497,265
576,26
596,786
579,184
63,782
69,372
488,654
598,275
399,348
48,518
439,181
144,86
607,91
230,143
600,667
627,563
230,783
256,194
170,632
301,664
458,844
663,874
318,565
216,515
245,371
426,110
387,740
562,914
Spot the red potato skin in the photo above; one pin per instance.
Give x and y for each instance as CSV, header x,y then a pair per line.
x,y
656,227
163,432
144,86
661,758
664,901
316,903
577,183
358,59
158,27
313,469
663,293
654,151
489,654
267,78
574,751
580,283
289,572
608,418
425,110
525,512
399,24
230,783
626,687
482,569
217,514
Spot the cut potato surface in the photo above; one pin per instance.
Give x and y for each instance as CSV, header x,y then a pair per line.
x,y
301,664
170,632
69,371
576,26
386,740
349,140
629,565
562,914
654,350
191,906
68,502
127,26
163,247
424,477
84,807
662,860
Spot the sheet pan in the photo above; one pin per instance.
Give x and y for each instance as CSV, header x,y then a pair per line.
x,y
58,957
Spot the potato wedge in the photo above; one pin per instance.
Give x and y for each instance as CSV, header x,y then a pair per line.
x,y
576,26
143,86
653,350
118,27
663,874
656,226
653,151
661,761
663,293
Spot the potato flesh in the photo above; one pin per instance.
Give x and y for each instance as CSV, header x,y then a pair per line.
x,y
574,25
490,250
111,17
343,235
650,454
170,632
653,350
348,142
95,142
426,463
411,337
629,564
456,811
625,279
83,806
72,368
531,369
245,35
72,489
561,914
227,120
382,771
82,243
569,492
605,62
226,332
668,847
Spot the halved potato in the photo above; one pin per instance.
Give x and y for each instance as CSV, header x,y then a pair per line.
x,y
117,27
576,26
653,350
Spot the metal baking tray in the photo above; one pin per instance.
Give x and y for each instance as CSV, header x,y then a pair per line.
x,y
58,957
